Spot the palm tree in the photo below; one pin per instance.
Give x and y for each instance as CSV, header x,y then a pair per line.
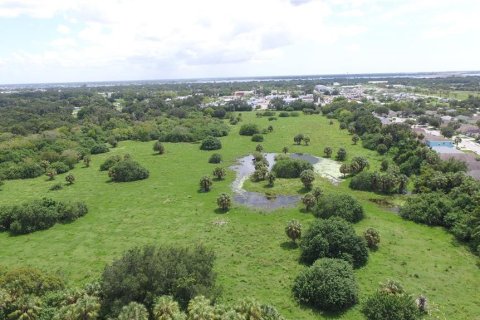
x,y
293,230
70,178
206,183
51,173
309,201
307,177
457,140
271,178
224,201
86,161
133,311
219,173
87,308
26,308
285,150
259,148
328,152
199,308
355,138
166,308
344,169
317,193
306,140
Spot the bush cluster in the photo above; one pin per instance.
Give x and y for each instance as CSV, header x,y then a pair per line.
x,y
39,215
329,284
286,167
127,170
341,205
333,238
211,143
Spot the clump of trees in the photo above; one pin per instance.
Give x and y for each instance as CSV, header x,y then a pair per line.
x,y
339,205
127,170
144,273
210,143
286,167
249,129
387,182
39,215
307,177
329,285
391,302
333,238
257,137
159,147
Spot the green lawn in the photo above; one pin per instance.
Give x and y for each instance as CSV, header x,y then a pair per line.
x,y
254,257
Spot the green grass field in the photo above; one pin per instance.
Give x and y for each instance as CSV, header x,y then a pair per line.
x,y
254,258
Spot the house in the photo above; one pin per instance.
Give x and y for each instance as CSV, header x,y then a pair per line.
x,y
434,141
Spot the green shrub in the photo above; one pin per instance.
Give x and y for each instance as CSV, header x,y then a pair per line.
x,y
294,230
249,129
39,215
257,137
215,158
290,168
142,274
307,177
99,148
224,202
284,114
372,237
340,205
211,143
341,154
390,302
333,238
29,281
428,208
127,170
110,162
56,187
59,167
329,284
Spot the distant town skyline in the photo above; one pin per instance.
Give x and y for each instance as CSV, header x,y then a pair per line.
x,y
115,40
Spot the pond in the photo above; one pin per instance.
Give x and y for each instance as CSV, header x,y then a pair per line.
x,y
326,168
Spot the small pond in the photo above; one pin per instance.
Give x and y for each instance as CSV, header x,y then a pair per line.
x,y
326,168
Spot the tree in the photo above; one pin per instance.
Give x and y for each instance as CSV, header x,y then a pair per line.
x,y
87,308
358,164
219,173
134,311
200,308
341,154
390,303
355,138
341,205
447,131
382,148
127,170
372,237
45,164
457,140
309,201
224,201
257,137
317,193
285,150
51,173
205,183
333,238
259,148
270,128
307,177
271,179
210,143
26,308
166,308
294,230
329,284
215,158
70,178
344,169
86,160
298,138
158,147
328,152
306,140
144,273
249,129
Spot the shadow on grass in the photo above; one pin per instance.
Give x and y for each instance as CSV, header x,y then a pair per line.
x,y
289,245
324,314
220,211
303,190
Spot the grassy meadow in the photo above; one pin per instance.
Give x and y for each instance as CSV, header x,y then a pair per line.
x,y
254,257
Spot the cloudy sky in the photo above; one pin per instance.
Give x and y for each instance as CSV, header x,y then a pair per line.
x,y
95,40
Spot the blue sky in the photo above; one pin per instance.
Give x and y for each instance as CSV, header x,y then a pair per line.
x,y
90,40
